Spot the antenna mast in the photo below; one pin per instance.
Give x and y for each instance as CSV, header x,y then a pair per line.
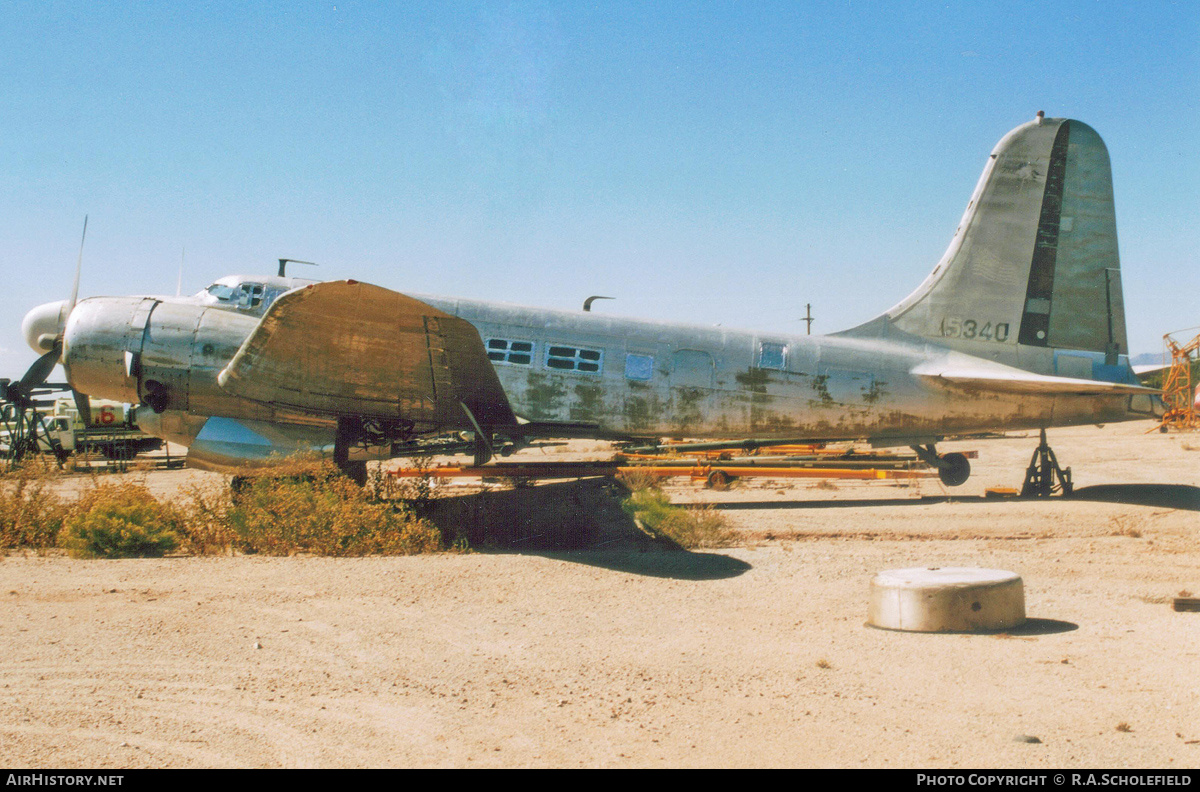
x,y
283,262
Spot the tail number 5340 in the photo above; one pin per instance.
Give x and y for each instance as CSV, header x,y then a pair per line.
x,y
953,327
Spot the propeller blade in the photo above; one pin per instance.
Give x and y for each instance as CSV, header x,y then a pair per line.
x,y
40,370
78,271
84,405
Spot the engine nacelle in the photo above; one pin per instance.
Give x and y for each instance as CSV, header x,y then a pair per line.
x,y
162,353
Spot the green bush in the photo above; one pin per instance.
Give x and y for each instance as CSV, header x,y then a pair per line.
x,y
121,520
700,526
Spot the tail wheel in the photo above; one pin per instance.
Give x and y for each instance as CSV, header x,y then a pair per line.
x,y
954,470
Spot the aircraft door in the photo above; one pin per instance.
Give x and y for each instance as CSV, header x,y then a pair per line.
x,y
692,374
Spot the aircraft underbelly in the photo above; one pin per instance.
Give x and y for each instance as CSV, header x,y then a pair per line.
x,y
834,404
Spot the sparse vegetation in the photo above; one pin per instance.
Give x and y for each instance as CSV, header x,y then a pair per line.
x,y
31,514
303,506
120,520
315,509
693,527
1124,727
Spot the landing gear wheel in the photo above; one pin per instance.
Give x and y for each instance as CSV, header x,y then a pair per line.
x,y
954,470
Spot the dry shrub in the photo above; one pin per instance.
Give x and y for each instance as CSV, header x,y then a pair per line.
x,y
690,528
120,520
638,480
205,529
315,509
417,490
31,514
304,505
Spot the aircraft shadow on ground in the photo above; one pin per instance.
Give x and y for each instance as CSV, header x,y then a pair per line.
x,y
1170,496
577,521
844,504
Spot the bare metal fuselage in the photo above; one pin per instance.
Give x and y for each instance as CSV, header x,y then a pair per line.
x,y
644,378
1020,325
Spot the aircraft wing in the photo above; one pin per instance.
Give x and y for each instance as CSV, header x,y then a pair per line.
x,y
1005,379
345,348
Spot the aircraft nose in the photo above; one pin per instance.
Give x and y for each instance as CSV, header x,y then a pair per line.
x,y
42,325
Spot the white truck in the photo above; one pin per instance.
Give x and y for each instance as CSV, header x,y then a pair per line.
x,y
110,433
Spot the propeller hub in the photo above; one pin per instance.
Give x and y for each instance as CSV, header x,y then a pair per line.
x,y
43,325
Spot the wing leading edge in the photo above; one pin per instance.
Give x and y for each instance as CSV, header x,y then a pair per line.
x,y
344,348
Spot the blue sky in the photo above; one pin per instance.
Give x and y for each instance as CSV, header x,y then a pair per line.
x,y
721,162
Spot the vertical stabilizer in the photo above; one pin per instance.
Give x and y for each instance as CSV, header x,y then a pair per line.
x,y
1033,268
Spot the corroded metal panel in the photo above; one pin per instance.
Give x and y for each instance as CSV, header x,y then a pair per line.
x,y
348,348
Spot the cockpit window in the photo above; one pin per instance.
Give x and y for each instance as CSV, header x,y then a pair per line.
x,y
222,292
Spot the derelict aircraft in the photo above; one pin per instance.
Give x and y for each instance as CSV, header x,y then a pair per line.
x,y
1021,325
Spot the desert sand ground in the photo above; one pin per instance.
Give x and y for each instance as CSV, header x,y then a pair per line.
x,y
626,654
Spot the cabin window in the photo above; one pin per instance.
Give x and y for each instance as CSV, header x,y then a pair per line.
x,y
772,356
639,367
565,358
250,295
503,350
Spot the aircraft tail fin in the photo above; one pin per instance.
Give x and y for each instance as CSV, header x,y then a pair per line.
x,y
1032,278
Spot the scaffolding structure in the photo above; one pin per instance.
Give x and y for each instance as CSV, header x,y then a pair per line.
x,y
24,431
1179,387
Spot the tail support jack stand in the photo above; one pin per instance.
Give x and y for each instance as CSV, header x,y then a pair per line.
x,y
1043,469
349,432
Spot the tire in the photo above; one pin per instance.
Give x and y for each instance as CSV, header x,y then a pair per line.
x,y
955,470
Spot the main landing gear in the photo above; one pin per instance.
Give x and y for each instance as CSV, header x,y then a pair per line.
x,y
1043,469
953,469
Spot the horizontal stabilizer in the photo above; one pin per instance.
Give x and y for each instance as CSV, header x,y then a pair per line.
x,y
1003,379
345,348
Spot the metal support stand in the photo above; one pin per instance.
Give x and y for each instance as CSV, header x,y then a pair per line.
x,y
483,443
349,431
1043,469
21,424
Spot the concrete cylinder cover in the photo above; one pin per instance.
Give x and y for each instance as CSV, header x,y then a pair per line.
x,y
947,599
